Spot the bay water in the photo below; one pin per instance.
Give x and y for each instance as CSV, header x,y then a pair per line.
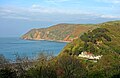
x,y
10,46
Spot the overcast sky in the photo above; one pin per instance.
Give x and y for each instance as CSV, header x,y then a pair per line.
x,y
19,16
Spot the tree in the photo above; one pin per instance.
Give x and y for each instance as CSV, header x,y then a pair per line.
x,y
70,67
107,67
3,60
98,34
43,67
7,73
76,50
85,38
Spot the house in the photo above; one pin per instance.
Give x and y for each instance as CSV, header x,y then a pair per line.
x,y
89,55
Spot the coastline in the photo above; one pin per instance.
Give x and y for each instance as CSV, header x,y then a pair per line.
x,y
47,40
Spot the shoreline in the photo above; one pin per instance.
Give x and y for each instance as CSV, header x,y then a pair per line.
x,y
47,40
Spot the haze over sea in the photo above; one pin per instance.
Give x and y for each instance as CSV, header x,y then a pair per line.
x,y
10,46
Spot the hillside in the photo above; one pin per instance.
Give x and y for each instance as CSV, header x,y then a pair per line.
x,y
98,50
108,41
103,41
59,32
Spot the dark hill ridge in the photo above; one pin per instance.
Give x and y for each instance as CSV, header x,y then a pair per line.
x,y
59,32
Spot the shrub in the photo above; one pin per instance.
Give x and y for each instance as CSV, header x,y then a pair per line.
x,y
43,67
3,60
7,73
107,67
70,67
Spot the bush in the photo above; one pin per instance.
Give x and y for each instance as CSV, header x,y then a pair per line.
x,y
3,60
43,67
107,67
7,73
70,67
42,71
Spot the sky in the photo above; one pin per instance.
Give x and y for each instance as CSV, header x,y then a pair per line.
x,y
19,16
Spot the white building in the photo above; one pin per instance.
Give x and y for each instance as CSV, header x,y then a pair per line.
x,y
89,55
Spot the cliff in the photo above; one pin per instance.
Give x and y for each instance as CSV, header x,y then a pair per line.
x,y
59,32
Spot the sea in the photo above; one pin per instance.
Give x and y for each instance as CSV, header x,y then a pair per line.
x,y
10,47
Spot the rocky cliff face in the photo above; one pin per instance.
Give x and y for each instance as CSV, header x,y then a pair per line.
x,y
59,32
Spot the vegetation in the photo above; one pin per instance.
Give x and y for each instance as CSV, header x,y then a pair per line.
x,y
98,41
103,40
65,32
107,67
3,59
7,73
65,66
94,38
71,66
46,66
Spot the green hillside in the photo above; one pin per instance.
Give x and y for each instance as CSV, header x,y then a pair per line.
x,y
113,27
105,41
94,54
59,32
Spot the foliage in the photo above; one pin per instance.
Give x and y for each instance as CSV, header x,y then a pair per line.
x,y
71,67
95,35
107,35
67,64
58,32
3,60
100,41
43,71
7,73
114,33
43,67
107,67
92,41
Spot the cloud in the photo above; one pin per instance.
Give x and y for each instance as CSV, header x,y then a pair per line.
x,y
35,6
16,17
109,1
39,13
109,16
48,14
57,1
